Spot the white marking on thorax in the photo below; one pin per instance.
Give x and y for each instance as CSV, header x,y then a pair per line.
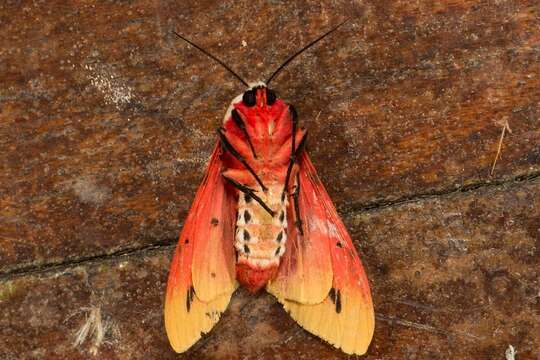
x,y
231,106
260,238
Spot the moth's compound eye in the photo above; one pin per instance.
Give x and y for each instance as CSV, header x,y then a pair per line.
x,y
270,97
249,98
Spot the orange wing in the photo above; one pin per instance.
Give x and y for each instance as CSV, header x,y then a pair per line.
x,y
338,310
202,276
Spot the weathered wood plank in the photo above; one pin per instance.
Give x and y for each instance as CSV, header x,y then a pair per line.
x,y
106,119
452,277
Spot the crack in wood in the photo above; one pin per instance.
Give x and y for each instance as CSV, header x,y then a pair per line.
x,y
382,204
87,260
169,244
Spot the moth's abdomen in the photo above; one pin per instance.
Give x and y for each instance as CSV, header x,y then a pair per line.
x,y
260,237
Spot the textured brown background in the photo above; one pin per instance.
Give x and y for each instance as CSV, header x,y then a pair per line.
x,y
106,122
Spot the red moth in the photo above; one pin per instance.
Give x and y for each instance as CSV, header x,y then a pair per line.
x,y
262,218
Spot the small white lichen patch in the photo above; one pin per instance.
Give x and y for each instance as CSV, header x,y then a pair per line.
x,y
510,353
109,84
89,192
94,329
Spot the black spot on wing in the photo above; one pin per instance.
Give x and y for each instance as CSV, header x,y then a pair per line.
x,y
214,221
279,237
247,216
247,237
277,251
332,295
335,296
189,297
246,249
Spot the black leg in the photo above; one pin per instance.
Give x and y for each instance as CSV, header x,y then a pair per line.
x,y
295,195
250,192
227,146
294,156
240,123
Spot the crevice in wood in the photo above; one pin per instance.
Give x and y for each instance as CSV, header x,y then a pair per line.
x,y
381,204
24,270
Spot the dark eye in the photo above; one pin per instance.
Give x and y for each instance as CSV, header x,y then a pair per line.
x,y
249,98
270,97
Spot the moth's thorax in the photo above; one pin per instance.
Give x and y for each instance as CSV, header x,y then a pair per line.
x,y
260,237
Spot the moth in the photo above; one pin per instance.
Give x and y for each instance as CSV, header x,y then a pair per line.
x,y
262,218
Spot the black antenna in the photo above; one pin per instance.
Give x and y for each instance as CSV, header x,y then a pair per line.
x,y
212,57
305,48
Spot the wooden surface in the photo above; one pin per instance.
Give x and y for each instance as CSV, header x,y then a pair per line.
x,y
107,120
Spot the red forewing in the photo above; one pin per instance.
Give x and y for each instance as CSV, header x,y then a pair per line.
x,y
338,308
202,276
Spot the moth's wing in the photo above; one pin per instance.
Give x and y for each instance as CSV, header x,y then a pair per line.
x,y
305,271
202,275
345,316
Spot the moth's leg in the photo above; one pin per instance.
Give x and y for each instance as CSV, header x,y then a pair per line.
x,y
294,156
292,183
295,195
227,146
242,126
249,191
240,176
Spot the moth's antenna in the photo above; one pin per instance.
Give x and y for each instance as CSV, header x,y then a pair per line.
x,y
305,48
212,57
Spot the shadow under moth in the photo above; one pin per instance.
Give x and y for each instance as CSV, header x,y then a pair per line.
x,y
263,219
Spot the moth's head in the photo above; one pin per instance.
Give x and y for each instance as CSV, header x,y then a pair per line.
x,y
256,95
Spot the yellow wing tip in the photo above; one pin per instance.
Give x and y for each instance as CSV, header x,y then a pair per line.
x,y
358,351
323,321
360,347
185,327
178,346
